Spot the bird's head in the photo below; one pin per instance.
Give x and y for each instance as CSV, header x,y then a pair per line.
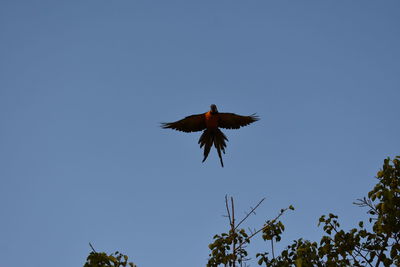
x,y
213,108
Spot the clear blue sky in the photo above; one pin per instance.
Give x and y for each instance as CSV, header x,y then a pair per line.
x,y
85,84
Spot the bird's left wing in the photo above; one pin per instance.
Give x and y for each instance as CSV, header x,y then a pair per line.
x,y
233,121
189,124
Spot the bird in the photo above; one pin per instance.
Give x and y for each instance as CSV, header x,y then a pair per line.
x,y
210,122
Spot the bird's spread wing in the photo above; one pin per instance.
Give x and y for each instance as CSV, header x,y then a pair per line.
x,y
189,124
233,121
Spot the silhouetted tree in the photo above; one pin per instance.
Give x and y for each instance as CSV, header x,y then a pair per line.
x,y
378,244
357,247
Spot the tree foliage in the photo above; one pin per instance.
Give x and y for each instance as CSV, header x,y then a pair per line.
x,y
101,259
376,244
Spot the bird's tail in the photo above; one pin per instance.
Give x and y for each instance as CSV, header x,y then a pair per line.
x,y
210,137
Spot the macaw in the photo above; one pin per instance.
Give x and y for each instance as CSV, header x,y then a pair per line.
x,y
210,122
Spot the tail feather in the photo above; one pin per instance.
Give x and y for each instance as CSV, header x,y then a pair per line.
x,y
206,140
210,137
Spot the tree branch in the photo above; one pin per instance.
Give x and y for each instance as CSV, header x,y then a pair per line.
x,y
92,248
252,211
227,209
233,233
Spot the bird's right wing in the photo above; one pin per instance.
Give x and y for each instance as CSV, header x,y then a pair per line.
x,y
193,123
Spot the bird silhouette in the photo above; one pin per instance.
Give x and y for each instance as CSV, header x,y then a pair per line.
x,y
210,122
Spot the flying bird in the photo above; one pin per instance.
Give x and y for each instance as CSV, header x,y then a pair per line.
x,y
210,122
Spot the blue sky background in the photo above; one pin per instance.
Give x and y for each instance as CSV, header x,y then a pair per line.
x,y
85,84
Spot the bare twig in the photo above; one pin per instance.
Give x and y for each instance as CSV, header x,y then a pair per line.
x,y
251,212
233,232
92,248
272,245
233,214
227,209
364,202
